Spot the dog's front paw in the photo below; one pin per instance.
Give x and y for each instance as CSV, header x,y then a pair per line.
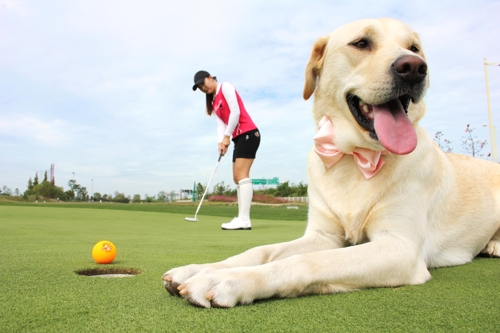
x,y
173,278
223,288
492,249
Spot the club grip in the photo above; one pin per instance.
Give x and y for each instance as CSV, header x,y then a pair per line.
x,y
220,156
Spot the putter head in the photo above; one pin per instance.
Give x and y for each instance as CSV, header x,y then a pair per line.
x,y
191,219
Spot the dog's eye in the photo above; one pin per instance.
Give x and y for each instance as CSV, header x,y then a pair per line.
x,y
361,44
414,48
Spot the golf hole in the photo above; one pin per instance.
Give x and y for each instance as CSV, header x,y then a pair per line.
x,y
109,272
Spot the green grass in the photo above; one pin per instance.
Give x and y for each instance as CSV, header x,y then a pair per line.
x,y
42,247
270,212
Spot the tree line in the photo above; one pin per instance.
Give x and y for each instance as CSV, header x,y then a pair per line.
x,y
285,189
47,189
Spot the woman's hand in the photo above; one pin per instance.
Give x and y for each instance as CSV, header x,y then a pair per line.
x,y
224,145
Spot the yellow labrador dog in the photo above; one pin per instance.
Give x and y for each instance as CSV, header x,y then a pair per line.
x,y
386,203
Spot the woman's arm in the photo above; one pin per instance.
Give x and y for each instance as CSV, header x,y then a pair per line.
x,y
221,129
229,93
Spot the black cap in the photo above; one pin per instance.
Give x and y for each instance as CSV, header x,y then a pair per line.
x,y
199,78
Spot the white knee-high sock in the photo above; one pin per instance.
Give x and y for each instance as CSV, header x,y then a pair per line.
x,y
245,196
239,198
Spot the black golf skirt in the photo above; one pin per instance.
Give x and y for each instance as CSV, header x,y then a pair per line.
x,y
246,144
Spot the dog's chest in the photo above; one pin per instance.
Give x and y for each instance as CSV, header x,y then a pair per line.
x,y
353,222
348,199
351,209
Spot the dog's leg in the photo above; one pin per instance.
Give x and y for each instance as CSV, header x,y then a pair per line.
x,y
387,261
493,246
312,241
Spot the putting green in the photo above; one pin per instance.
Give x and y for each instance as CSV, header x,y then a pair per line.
x,y
42,248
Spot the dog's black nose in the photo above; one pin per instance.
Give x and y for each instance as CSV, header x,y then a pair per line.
x,y
410,68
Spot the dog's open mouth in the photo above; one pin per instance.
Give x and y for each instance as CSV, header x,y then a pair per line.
x,y
388,122
363,112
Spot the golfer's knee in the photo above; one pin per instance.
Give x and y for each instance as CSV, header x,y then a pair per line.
x,y
237,176
239,179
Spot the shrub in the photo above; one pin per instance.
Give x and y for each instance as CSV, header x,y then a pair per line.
x,y
222,198
264,198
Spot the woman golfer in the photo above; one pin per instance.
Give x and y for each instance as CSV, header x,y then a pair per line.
x,y
232,121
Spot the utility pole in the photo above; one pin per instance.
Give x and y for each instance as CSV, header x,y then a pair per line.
x,y
493,134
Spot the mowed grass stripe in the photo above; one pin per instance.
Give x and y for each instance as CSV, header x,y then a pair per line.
x,y
40,292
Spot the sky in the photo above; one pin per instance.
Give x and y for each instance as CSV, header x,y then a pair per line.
x,y
102,89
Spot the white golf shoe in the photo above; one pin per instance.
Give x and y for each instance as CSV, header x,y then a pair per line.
x,y
237,224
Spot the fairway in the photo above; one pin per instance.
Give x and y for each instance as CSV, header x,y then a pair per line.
x,y
42,247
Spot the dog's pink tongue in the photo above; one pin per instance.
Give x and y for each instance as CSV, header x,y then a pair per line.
x,y
394,130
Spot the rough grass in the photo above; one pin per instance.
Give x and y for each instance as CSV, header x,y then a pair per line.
x,y
42,247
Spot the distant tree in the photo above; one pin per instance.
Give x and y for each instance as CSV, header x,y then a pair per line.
x,y
221,189
300,190
161,196
81,193
97,196
230,192
263,190
6,191
283,190
46,190
443,143
136,198
57,192
121,198
199,190
70,195
471,145
76,191
73,185
149,198
218,189
43,189
16,192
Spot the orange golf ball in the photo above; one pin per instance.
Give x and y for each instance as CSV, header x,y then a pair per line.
x,y
104,252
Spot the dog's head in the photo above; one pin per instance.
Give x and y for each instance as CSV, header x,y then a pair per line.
x,y
371,74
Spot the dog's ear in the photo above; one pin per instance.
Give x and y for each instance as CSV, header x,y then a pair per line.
x,y
314,66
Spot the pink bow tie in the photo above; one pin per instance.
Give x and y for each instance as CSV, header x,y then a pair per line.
x,y
369,161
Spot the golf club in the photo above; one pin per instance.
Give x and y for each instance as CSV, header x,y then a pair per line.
x,y
195,219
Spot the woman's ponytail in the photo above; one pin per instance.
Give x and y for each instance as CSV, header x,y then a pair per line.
x,y
210,100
